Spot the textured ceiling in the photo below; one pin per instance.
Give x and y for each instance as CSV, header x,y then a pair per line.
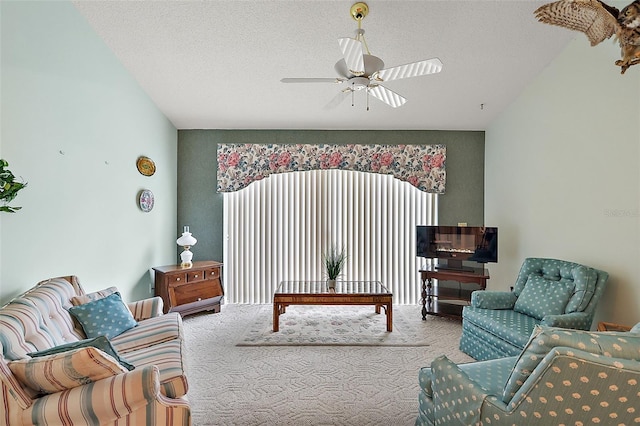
x,y
213,64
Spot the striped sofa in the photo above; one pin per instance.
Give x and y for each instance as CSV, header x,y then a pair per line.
x,y
87,386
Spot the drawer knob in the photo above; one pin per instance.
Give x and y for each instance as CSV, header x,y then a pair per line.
x,y
199,299
196,275
177,279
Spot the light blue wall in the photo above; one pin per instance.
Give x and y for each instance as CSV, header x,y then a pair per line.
x,y
74,122
562,174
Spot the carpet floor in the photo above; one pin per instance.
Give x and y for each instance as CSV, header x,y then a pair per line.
x,y
306,385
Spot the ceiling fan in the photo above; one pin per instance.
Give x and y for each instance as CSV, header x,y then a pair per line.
x,y
363,71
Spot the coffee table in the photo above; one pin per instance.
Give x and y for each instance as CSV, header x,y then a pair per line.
x,y
345,293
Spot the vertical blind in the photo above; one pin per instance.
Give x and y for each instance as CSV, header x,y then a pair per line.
x,y
277,229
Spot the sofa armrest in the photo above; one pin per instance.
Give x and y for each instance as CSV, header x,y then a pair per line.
x,y
574,320
127,393
455,392
146,308
493,299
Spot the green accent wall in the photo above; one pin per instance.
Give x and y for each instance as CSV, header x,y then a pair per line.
x,y
201,207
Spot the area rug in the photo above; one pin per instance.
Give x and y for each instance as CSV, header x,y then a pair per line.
x,y
334,326
291,385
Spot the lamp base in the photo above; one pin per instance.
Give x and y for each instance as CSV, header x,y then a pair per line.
x,y
186,257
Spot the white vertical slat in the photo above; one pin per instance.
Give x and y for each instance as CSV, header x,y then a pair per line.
x,y
277,229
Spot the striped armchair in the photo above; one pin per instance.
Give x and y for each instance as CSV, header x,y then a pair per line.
x,y
138,379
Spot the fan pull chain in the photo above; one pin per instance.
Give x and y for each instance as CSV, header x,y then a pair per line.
x,y
352,95
367,99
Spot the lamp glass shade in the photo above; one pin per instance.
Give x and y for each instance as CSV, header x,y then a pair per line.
x,y
186,239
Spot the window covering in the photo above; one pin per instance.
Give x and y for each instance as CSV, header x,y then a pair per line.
x,y
422,166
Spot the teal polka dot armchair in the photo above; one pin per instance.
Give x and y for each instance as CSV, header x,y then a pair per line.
x,y
547,292
561,377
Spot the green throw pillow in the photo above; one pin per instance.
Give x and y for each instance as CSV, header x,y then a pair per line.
x,y
108,317
100,342
541,297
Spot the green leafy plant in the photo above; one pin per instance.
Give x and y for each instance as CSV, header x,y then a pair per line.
x,y
9,187
334,261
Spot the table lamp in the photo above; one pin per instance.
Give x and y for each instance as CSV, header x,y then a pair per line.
x,y
186,240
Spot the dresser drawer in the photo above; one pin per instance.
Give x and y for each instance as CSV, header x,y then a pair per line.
x,y
195,276
176,279
212,273
195,292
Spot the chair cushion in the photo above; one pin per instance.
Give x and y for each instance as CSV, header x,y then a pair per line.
x,y
51,297
100,342
24,330
491,375
510,326
541,297
168,357
108,316
493,299
150,332
90,297
67,370
585,280
12,387
610,344
583,277
424,378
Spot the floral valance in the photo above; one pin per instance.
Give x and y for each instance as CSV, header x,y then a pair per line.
x,y
423,166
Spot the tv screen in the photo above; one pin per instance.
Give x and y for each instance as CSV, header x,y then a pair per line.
x,y
459,243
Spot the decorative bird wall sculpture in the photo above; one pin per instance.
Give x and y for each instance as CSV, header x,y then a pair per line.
x,y
599,22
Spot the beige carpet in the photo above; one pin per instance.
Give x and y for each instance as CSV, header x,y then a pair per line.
x,y
306,385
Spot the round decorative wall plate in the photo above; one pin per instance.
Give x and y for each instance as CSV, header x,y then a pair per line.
x,y
145,200
146,166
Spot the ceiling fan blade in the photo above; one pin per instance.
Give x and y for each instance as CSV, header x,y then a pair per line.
x,y
387,96
312,80
337,99
414,69
353,55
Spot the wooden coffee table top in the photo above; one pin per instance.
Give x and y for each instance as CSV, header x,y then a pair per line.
x,y
342,288
345,293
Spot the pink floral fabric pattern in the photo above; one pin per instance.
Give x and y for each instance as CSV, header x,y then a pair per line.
x,y
423,166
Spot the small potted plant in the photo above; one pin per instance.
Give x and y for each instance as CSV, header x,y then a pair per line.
x,y
334,261
8,188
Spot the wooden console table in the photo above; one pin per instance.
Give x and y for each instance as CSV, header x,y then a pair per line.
x,y
434,296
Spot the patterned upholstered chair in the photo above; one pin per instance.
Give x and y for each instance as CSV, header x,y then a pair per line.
x,y
548,292
562,376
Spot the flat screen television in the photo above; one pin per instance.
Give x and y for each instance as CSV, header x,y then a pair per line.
x,y
456,244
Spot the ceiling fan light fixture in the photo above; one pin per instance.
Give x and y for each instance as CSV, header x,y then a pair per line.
x,y
372,64
361,70
359,83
